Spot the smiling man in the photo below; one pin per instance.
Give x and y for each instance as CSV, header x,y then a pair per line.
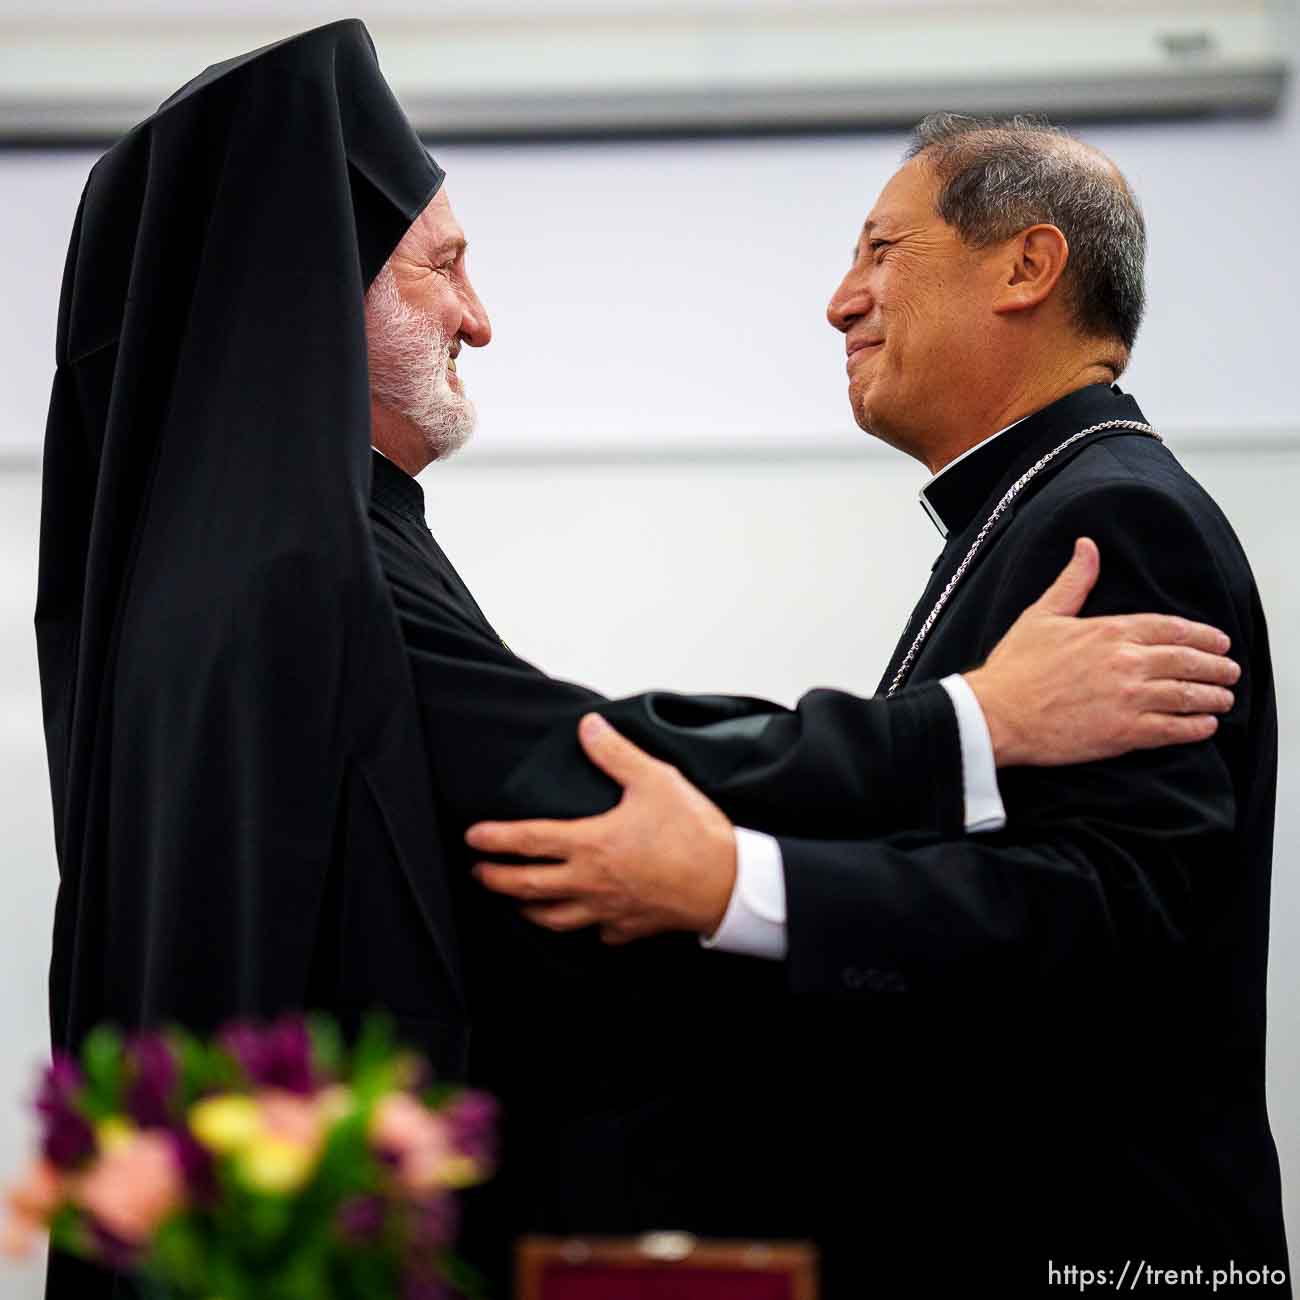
x,y
420,309
1076,1073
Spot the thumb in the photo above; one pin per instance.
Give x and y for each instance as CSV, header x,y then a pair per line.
x,y
613,754
1067,594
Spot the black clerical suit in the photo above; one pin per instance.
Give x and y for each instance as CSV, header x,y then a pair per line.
x,y
1054,1035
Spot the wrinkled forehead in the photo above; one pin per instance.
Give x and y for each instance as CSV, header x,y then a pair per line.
x,y
435,233
908,195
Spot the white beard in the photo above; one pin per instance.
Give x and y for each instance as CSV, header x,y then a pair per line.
x,y
408,352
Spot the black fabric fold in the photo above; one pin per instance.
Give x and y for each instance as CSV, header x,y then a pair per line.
x,y
220,660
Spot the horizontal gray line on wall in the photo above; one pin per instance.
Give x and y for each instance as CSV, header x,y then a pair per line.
x,y
813,451
71,123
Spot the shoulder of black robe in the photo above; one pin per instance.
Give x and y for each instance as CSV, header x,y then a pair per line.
x,y
240,786
502,735
634,1079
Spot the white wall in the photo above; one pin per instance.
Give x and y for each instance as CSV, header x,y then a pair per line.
x,y
671,295
654,301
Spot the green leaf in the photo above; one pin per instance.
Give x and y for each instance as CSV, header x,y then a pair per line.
x,y
367,1274
101,1063
327,1049
180,1255
192,1061
225,1074
375,1045
68,1232
440,1095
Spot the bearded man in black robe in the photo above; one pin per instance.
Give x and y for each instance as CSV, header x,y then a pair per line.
x,y
272,707
1077,1077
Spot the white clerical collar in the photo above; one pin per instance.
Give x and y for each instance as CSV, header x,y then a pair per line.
x,y
957,460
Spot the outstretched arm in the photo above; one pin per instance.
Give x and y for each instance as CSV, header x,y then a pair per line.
x,y
665,859
1059,689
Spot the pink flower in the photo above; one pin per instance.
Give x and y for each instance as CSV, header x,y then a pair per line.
x,y
414,1137
133,1186
292,1118
31,1205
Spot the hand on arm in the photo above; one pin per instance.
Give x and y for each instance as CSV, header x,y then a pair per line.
x,y
1059,689
1106,872
663,859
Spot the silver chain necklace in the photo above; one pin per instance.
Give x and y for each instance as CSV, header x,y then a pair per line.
x,y
1011,493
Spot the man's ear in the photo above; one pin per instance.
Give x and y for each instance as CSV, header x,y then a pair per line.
x,y
1037,262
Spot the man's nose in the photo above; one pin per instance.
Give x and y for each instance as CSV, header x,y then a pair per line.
x,y
475,327
850,302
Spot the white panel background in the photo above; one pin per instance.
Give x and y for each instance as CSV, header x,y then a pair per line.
x,y
656,303
670,296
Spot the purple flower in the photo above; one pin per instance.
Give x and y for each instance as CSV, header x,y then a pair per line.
x,y
197,1166
67,1138
361,1219
154,1074
243,1042
278,1056
473,1120
434,1221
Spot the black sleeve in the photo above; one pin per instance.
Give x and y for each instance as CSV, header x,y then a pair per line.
x,y
503,741
1102,863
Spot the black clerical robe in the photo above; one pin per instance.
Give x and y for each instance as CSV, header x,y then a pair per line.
x,y
643,1085
1069,1065
237,770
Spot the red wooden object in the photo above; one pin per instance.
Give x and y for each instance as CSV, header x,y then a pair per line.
x,y
664,1266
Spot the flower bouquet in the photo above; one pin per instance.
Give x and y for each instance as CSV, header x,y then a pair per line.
x,y
270,1163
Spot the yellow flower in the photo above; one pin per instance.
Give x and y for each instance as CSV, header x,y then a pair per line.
x,y
113,1132
225,1123
270,1164
460,1171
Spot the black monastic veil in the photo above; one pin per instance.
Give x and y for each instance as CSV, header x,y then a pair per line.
x,y
220,663
225,694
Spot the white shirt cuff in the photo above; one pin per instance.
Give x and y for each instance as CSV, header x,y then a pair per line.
x,y
754,923
983,799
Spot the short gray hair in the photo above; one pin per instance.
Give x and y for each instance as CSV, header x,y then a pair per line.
x,y
1000,175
